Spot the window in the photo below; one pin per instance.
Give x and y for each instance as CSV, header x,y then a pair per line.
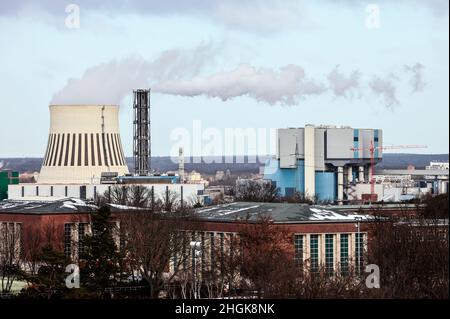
x,y
185,252
68,240
37,190
202,239
194,252
122,242
222,251
314,252
23,191
81,237
83,192
66,191
298,250
212,255
329,253
51,190
359,252
344,254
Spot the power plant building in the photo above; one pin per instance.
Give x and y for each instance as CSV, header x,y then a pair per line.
x,y
84,141
323,162
85,158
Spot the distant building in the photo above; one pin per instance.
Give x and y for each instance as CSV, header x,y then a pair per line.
x,y
7,178
323,162
394,183
220,175
438,166
321,236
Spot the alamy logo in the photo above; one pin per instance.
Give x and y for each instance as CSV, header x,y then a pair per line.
x,y
73,18
73,280
373,16
373,279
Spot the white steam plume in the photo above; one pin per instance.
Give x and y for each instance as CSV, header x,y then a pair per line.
x,y
416,80
108,83
343,86
385,88
177,73
285,86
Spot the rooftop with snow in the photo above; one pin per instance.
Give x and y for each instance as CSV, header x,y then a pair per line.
x,y
46,206
279,213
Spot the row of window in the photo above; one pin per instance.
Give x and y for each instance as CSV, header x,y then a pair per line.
x,y
82,193
10,240
84,150
207,251
329,261
70,241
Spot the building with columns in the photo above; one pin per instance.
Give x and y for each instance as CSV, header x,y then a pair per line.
x,y
319,161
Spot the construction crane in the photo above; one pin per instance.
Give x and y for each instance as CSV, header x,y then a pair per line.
x,y
372,149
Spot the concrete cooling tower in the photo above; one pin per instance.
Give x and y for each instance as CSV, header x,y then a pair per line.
x,y
83,142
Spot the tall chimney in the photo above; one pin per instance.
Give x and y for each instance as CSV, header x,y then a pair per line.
x,y
181,165
141,134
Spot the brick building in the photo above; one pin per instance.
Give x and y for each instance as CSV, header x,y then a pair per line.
x,y
333,237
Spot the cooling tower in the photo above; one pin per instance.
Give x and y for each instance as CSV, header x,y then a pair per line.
x,y
83,142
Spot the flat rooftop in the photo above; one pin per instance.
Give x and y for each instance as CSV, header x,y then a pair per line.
x,y
279,213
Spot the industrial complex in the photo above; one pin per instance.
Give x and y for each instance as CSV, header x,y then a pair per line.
x,y
319,161
332,166
85,158
337,164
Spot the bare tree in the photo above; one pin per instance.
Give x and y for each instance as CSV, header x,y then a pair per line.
x,y
10,250
256,191
154,244
413,256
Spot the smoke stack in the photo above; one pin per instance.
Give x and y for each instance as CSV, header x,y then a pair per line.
x,y
181,165
83,142
141,125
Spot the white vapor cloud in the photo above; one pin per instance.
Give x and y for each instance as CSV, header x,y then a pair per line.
x,y
177,72
385,88
109,83
286,86
343,86
416,80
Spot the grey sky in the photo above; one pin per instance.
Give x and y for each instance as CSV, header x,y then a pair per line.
x,y
258,64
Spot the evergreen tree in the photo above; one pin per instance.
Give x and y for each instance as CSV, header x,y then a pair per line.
x,y
99,259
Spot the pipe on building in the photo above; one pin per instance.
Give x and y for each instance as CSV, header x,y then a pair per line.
x,y
350,173
340,183
361,174
310,164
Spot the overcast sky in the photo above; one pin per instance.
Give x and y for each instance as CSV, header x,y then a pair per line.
x,y
229,64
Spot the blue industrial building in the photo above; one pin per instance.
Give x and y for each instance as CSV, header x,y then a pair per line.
x,y
322,162
290,181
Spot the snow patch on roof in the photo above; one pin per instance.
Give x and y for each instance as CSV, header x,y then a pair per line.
x,y
324,214
124,206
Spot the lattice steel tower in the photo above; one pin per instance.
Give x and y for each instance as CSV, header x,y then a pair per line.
x,y
141,128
